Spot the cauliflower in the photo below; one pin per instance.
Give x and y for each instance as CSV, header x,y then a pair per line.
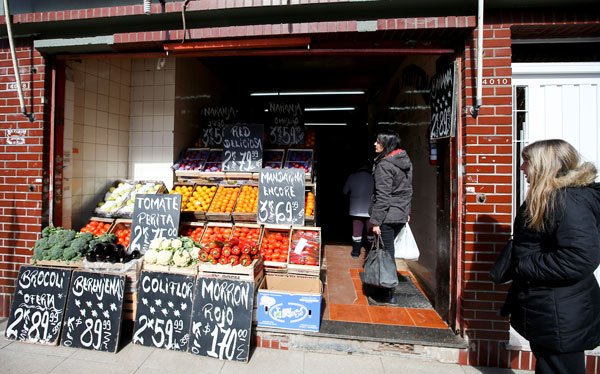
x,y
163,257
194,252
165,244
176,243
150,256
155,243
181,258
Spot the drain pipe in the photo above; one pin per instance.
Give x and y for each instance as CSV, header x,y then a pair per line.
x,y
479,95
15,62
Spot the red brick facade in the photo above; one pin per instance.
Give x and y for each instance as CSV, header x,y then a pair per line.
x,y
487,153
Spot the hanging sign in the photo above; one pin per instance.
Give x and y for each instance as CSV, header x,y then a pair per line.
x,y
93,315
281,196
154,216
443,103
213,119
164,310
242,147
38,305
222,318
286,124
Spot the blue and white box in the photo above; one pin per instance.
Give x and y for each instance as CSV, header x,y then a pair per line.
x,y
289,302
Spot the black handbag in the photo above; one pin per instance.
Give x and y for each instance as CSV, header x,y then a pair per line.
x,y
502,270
380,267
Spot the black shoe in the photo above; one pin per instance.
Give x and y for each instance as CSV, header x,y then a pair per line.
x,y
355,250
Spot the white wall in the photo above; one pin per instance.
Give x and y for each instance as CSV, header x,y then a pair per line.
x,y
96,139
152,124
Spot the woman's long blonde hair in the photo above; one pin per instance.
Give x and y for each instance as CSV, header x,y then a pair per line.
x,y
551,165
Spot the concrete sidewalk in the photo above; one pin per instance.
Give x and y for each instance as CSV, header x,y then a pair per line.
x,y
23,358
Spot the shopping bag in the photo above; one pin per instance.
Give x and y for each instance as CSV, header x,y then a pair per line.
x,y
405,245
380,267
502,271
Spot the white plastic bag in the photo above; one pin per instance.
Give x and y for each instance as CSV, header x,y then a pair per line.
x,y
405,246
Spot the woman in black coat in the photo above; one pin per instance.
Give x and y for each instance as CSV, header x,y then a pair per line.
x,y
554,300
392,196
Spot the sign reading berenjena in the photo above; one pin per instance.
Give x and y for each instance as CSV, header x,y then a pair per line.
x,y
443,103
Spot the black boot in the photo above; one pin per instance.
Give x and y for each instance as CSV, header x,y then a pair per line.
x,y
391,297
355,249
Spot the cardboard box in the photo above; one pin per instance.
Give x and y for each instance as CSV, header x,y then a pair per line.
x,y
289,302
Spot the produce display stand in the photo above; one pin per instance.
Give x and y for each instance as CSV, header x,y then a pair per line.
x,y
124,202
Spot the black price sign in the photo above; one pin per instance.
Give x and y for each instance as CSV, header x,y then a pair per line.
x,y
164,310
242,147
222,318
214,119
281,196
443,104
154,216
37,309
93,314
287,124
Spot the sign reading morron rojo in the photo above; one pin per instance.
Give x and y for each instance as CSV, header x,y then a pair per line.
x,y
443,103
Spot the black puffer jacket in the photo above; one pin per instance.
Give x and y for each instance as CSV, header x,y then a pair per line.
x,y
393,189
554,300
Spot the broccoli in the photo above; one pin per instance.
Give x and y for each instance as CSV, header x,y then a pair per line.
x,y
52,243
78,246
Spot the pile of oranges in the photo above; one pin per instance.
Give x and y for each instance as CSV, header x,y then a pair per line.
x,y
309,204
195,199
224,200
248,200
215,233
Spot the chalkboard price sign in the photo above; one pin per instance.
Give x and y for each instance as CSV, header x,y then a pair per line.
x,y
287,124
37,309
154,216
281,196
222,318
93,314
164,310
443,104
242,147
214,119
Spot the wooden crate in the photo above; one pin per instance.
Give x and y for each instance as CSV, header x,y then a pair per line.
x,y
275,266
222,216
121,223
252,226
185,229
297,246
59,264
189,270
242,216
254,272
129,305
215,224
110,221
200,214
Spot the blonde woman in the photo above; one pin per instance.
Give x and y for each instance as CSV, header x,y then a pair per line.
x,y
554,300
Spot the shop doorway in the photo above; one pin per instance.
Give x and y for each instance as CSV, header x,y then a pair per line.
x,y
135,123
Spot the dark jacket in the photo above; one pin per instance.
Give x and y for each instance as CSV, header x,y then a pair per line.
x,y
393,189
554,300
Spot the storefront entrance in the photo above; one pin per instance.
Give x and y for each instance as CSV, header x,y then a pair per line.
x,y
131,118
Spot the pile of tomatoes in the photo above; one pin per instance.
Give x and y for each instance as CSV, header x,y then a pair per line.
x,y
123,235
215,233
193,232
96,227
233,252
307,244
275,246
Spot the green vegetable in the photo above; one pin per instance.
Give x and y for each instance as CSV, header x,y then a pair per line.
x,y
78,247
52,243
104,238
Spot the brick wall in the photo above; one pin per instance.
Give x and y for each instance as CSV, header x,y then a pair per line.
x,y
22,164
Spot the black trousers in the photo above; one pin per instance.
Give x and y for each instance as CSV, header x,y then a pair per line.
x,y
388,234
547,362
